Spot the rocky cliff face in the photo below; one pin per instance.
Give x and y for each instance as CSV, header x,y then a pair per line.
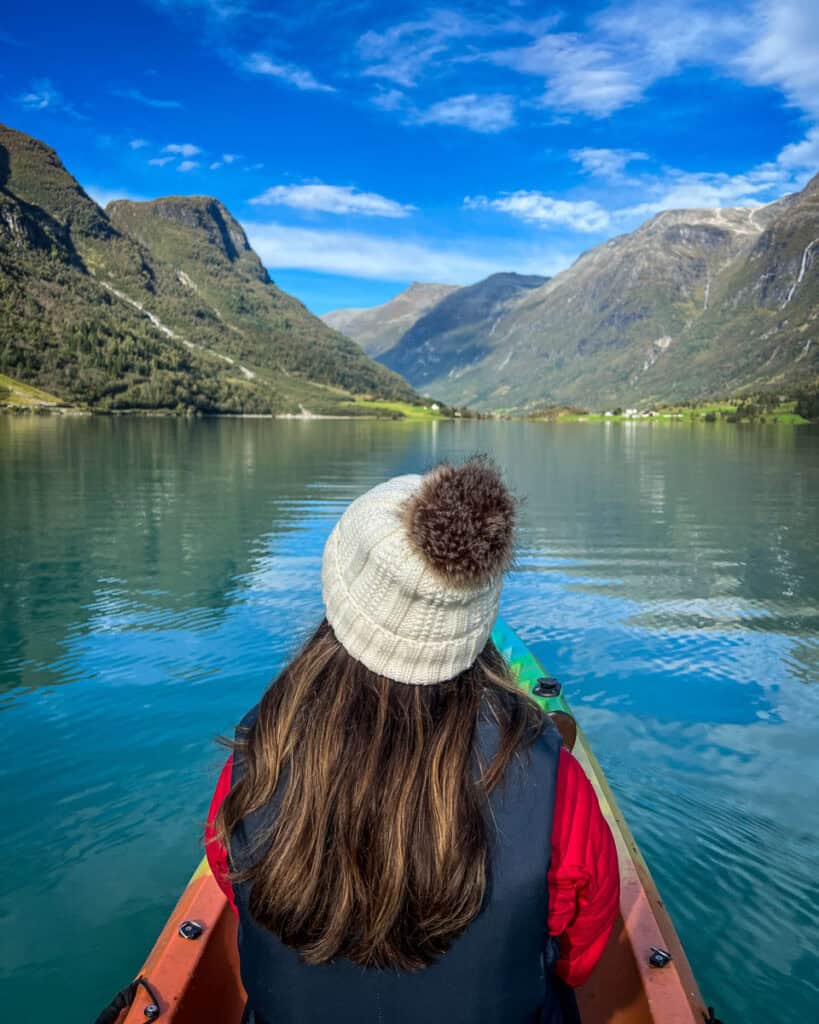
x,y
379,328
159,304
692,303
201,214
761,328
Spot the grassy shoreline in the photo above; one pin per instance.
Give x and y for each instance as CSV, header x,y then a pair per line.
x,y
19,398
710,412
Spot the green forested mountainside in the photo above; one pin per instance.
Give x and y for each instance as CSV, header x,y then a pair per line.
x,y
258,323
694,303
379,328
457,330
92,314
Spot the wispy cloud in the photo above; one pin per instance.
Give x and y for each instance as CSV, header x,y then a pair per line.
x,y
596,69
653,192
403,52
43,95
340,199
803,155
621,52
534,207
147,101
160,161
785,51
388,259
187,165
579,75
300,78
389,99
138,143
608,164
226,158
186,149
486,114
678,189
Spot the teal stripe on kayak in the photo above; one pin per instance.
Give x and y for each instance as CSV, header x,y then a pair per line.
x,y
524,665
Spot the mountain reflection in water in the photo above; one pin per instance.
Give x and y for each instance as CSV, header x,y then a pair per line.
x,y
157,572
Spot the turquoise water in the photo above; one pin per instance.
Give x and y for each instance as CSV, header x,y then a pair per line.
x,y
155,574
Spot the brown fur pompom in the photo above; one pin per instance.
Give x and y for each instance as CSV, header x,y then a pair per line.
x,y
462,522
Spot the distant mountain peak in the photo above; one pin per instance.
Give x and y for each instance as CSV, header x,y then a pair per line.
x,y
457,330
378,328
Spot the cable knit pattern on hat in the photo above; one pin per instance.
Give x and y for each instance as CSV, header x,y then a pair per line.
x,y
389,606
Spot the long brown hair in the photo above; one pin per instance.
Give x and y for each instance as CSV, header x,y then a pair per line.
x,y
379,849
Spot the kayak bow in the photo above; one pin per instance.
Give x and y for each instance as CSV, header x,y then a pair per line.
x,y
643,976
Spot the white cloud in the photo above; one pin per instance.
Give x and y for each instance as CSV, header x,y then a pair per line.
x,y
332,199
391,99
187,165
659,38
102,195
802,155
612,60
41,96
227,158
44,96
160,161
785,51
683,190
138,143
186,149
388,259
402,53
608,164
486,114
147,101
536,208
625,49
580,75
795,164
301,78
607,65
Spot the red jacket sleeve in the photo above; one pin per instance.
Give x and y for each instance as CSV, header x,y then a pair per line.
x,y
214,850
584,879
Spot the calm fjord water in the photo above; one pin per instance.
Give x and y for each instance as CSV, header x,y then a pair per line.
x,y
156,573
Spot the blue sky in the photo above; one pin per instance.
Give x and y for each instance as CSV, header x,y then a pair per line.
x,y
365,145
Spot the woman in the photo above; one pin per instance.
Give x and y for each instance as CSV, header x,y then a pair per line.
x,y
398,829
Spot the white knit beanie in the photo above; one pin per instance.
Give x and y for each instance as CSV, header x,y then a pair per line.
x,y
412,572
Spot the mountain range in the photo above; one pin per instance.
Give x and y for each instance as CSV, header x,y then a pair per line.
x,y
694,303
165,305
156,305
378,328
458,331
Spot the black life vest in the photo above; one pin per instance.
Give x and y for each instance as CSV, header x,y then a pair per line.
x,y
498,971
